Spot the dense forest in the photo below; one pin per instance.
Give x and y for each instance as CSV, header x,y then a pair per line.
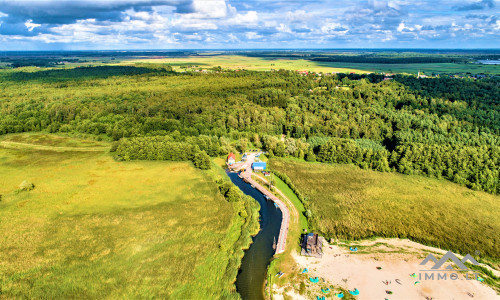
x,y
440,127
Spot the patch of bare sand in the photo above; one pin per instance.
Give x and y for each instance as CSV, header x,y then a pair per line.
x,y
397,259
278,294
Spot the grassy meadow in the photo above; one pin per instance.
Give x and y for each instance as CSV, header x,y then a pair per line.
x,y
95,228
349,203
245,62
265,64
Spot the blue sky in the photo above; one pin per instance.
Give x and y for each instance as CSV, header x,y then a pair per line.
x,y
204,24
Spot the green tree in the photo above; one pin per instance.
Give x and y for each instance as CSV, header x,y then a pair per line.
x,y
202,160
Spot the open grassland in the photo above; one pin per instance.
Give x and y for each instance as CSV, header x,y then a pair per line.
x,y
51,142
264,64
249,63
95,228
349,203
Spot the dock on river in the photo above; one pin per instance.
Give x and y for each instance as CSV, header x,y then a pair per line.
x,y
247,177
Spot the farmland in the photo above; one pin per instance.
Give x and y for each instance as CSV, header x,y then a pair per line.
x,y
267,63
248,63
95,228
349,203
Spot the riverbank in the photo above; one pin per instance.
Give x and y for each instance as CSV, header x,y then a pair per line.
x,y
252,272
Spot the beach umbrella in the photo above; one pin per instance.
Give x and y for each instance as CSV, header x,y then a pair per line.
x,y
355,292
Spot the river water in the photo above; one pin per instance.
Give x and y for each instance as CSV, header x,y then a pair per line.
x,y
252,274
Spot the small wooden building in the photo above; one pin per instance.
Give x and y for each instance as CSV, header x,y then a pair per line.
x,y
312,245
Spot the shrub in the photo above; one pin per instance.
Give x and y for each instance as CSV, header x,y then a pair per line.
x,y
26,186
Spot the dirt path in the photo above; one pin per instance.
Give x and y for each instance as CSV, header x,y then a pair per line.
x,y
17,145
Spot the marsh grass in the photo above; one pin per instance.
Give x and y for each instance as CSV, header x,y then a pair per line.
x,y
350,203
95,228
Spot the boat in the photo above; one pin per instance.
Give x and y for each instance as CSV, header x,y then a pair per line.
x,y
275,204
266,197
253,186
274,243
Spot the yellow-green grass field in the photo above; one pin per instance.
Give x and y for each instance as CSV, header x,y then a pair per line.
x,y
235,62
265,64
350,203
53,142
94,228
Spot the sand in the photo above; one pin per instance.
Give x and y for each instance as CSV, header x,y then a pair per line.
x,y
350,270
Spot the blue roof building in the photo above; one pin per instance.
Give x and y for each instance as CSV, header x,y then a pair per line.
x,y
259,166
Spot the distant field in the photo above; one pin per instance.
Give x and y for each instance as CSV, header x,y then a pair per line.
x,y
51,142
350,203
95,228
249,63
262,64
415,68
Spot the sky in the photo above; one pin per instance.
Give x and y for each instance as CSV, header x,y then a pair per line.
x,y
239,24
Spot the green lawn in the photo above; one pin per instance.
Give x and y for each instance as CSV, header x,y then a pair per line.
x,y
95,228
350,203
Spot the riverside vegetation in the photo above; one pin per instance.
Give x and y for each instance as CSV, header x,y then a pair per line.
x,y
346,202
441,128
96,228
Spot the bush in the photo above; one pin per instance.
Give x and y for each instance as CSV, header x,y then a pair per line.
x,y
26,186
201,160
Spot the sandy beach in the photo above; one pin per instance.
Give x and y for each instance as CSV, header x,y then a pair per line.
x,y
388,267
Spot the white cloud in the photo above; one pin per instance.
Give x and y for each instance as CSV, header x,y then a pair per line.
x,y
284,28
233,38
333,28
30,25
253,35
209,9
184,24
298,16
195,36
251,18
265,23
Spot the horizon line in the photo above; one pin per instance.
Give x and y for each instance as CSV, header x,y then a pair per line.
x,y
244,49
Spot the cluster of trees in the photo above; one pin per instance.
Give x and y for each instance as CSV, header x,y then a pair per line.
x,y
345,118
475,167
289,147
162,148
347,151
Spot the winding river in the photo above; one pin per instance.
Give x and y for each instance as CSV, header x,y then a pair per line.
x,y
252,274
